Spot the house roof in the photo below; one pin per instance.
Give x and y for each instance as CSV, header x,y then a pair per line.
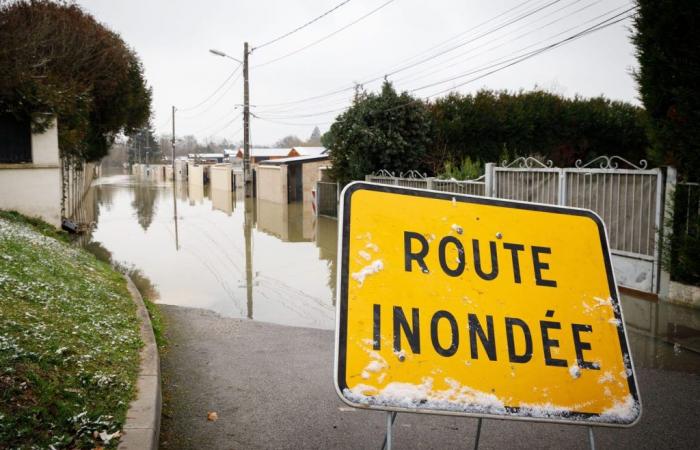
x,y
295,160
309,151
265,152
206,155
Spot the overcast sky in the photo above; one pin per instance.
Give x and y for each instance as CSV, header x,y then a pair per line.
x,y
432,41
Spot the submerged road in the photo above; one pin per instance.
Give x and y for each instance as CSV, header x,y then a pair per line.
x,y
272,387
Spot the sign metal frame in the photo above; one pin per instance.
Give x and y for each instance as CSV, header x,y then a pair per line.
x,y
573,418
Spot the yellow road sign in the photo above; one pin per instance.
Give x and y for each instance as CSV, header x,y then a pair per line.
x,y
482,307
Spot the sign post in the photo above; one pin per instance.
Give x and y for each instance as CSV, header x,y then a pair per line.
x,y
479,307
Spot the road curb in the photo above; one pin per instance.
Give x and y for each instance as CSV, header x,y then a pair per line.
x,y
142,425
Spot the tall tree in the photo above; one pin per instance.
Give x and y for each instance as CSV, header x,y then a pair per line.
x,y
289,141
144,146
380,131
57,60
315,138
667,38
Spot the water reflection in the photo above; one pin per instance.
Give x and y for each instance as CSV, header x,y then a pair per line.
x,y
663,335
239,257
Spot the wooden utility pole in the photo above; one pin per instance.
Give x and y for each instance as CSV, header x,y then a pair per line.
x,y
246,125
173,141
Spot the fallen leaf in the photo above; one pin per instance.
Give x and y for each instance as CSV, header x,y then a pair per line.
x,y
212,416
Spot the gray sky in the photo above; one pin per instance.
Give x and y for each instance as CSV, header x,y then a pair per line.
x,y
173,37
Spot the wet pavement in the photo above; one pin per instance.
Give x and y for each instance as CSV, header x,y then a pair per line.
x,y
226,260
272,387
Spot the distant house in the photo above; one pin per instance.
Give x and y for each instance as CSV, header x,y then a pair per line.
x,y
207,158
310,151
258,155
287,180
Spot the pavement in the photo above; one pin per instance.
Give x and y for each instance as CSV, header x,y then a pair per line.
x,y
272,387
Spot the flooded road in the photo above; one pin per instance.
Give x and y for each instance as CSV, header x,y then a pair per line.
x,y
247,258
288,278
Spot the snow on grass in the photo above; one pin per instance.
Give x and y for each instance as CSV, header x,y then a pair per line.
x,y
69,341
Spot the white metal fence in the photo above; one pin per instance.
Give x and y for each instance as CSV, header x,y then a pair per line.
x,y
629,199
327,199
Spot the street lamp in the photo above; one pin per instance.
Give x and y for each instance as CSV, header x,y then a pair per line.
x,y
220,53
246,114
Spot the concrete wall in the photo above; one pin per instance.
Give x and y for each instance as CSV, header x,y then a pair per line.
x,y
195,174
180,169
34,189
272,183
683,294
45,146
221,177
310,176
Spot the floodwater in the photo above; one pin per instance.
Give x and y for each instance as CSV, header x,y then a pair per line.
x,y
239,257
264,261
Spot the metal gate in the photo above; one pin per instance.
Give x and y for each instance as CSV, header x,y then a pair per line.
x,y
629,200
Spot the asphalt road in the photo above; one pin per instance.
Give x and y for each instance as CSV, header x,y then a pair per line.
x,y
272,387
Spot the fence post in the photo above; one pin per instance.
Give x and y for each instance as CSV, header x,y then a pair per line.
x,y
490,180
561,200
665,228
429,184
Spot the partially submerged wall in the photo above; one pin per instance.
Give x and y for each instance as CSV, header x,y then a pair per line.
x,y
272,183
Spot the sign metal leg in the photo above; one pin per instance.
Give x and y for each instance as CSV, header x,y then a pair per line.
x,y
591,438
478,434
390,419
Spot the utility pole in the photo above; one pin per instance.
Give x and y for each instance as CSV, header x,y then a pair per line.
x,y
177,240
148,153
173,141
246,125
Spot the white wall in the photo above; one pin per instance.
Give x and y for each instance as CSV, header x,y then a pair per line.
x,y
32,192
45,146
272,183
220,177
34,189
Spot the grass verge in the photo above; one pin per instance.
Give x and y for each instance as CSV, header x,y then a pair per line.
x,y
69,341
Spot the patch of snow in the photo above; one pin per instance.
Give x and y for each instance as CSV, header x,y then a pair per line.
x,y
625,411
457,229
575,371
607,377
375,366
366,256
407,395
370,269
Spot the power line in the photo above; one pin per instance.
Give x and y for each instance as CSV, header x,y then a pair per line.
x,y
279,38
521,16
326,36
211,105
526,56
290,123
213,93
430,71
510,62
491,64
218,123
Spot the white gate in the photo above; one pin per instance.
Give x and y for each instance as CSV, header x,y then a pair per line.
x,y
629,200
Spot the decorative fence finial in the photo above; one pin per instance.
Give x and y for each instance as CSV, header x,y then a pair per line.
x,y
528,163
383,173
610,162
413,174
